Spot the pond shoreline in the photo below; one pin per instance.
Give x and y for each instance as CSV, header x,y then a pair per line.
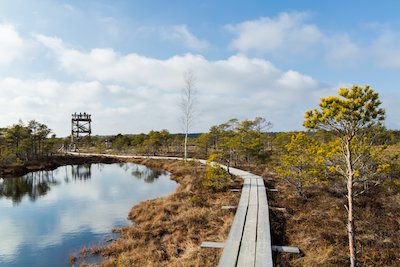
x,y
168,231
51,163
53,213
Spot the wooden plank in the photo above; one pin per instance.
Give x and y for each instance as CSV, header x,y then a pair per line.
x,y
228,207
247,253
230,253
207,244
263,247
244,198
286,249
239,172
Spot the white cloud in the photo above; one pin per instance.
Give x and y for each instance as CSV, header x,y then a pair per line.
x,y
146,90
10,240
52,102
11,44
287,33
182,35
342,51
288,36
131,93
386,49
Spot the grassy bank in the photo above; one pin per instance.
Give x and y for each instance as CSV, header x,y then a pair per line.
x,y
168,231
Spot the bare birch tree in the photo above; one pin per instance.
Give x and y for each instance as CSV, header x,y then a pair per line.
x,y
187,105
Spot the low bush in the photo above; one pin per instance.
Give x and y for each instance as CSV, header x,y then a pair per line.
x,y
216,177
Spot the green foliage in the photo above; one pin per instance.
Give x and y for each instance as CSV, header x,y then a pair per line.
x,y
346,115
302,162
389,167
237,141
100,145
153,142
216,177
280,140
156,141
352,118
20,142
203,145
120,142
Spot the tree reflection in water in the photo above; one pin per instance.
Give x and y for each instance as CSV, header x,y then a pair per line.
x,y
33,184
148,175
81,172
39,183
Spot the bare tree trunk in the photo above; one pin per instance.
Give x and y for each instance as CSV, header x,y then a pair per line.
x,y
185,154
187,105
350,220
350,226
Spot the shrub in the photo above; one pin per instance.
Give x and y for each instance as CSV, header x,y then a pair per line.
x,y
216,177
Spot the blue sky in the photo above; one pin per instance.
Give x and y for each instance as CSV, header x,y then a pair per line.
x,y
123,61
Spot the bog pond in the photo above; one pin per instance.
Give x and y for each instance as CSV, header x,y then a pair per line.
x,y
47,215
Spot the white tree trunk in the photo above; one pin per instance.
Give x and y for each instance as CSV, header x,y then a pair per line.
x,y
350,225
187,106
350,220
185,155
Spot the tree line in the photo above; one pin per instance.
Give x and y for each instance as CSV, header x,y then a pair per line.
x,y
22,142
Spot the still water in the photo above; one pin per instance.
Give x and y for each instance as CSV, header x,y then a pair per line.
x,y
45,216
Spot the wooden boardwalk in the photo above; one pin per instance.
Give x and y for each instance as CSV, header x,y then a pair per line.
x,y
249,240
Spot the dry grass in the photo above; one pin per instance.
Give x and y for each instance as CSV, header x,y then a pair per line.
x,y
72,259
168,231
317,225
95,250
84,252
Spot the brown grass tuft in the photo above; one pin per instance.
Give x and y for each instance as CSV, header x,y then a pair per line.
x,y
84,252
72,259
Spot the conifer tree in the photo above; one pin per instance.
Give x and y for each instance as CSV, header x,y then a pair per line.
x,y
347,116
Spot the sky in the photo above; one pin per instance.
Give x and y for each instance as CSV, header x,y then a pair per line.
x,y
124,61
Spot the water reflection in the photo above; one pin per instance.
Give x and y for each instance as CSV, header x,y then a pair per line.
x,y
148,175
39,183
34,185
81,172
74,207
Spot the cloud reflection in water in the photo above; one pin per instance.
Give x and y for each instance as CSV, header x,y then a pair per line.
x,y
56,210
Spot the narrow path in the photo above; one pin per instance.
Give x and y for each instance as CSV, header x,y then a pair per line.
x,y
249,240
